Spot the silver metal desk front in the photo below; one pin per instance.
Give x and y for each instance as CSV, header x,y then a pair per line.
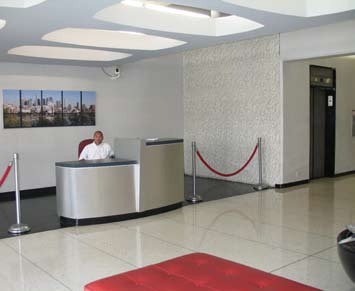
x,y
100,188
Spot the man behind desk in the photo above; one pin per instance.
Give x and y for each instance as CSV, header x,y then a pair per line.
x,y
97,149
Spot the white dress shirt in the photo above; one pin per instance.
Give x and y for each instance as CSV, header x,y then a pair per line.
x,y
93,151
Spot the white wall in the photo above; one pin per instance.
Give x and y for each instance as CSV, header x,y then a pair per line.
x,y
296,119
322,41
296,113
145,101
231,97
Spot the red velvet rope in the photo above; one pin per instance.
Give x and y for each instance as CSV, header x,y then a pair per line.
x,y
6,173
230,174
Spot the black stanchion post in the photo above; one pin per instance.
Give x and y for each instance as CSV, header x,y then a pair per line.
x,y
19,227
193,198
260,186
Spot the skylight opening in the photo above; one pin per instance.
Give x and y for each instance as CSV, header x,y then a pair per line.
x,y
65,53
214,23
173,9
20,3
131,32
167,9
111,39
2,23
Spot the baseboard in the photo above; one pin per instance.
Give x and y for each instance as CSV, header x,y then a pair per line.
x,y
64,221
216,178
31,193
344,174
286,185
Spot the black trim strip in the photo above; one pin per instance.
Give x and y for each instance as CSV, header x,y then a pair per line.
x,y
344,174
286,185
26,194
64,221
159,142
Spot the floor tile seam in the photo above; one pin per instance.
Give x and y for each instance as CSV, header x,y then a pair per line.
x,y
40,268
166,241
263,243
296,230
325,260
310,232
204,228
240,237
230,235
330,261
210,229
169,242
326,249
289,264
104,252
310,216
131,228
179,222
277,225
64,231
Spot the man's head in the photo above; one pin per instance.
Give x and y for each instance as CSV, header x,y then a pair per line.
x,y
98,137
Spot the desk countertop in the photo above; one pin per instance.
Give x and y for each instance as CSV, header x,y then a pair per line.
x,y
95,163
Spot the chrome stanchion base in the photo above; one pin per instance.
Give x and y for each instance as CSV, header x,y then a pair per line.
x,y
19,228
194,198
260,187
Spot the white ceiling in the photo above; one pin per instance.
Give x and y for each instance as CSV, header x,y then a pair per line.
x,y
43,23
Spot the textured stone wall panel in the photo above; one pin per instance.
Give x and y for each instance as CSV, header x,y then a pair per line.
x,y
231,97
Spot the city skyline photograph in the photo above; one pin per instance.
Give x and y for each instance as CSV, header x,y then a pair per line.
x,y
11,108
52,108
88,108
30,107
71,108
41,108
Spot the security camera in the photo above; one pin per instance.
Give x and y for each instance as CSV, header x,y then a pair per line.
x,y
114,72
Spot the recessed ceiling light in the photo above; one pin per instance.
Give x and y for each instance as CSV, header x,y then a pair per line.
x,y
133,3
2,23
165,8
65,53
111,39
131,32
150,19
20,3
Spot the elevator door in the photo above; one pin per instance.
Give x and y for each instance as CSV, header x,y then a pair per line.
x,y
322,126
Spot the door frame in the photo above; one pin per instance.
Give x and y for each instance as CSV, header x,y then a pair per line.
x,y
330,126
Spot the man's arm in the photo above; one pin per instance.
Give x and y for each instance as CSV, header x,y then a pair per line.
x,y
83,154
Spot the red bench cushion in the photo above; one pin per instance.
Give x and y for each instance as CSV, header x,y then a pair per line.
x,y
196,272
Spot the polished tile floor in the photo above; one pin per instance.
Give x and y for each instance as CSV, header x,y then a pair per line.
x,y
40,213
291,233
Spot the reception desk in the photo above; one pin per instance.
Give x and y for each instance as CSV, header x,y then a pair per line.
x,y
147,178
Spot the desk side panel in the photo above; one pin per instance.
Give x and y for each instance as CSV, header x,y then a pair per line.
x,y
162,175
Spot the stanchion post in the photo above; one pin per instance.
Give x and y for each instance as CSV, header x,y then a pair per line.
x,y
193,198
19,227
260,186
